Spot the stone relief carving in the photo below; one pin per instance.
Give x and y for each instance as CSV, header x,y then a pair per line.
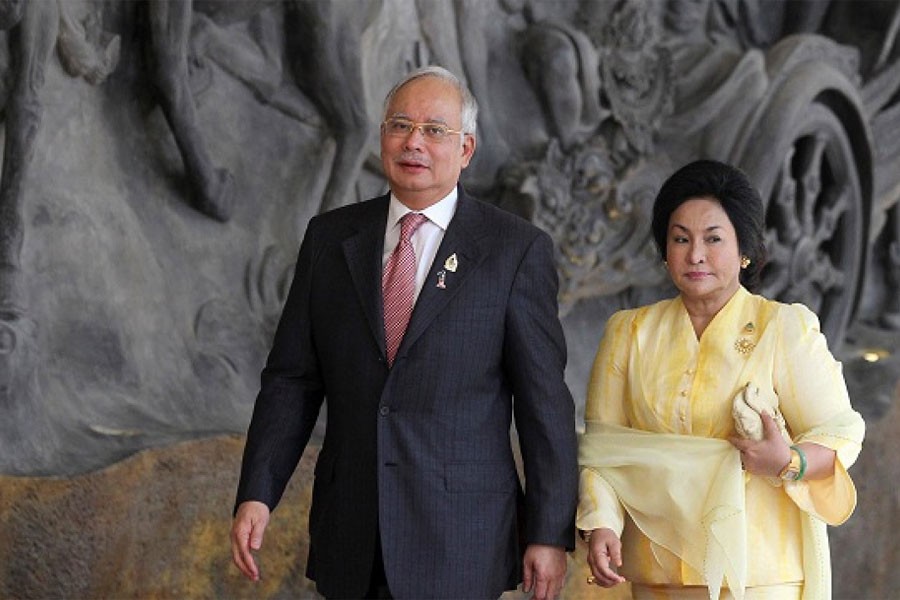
x,y
302,58
591,189
597,216
34,29
792,114
272,108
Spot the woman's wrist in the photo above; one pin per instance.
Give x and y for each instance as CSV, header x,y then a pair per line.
x,y
795,469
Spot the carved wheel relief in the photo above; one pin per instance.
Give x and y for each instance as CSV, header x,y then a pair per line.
x,y
815,220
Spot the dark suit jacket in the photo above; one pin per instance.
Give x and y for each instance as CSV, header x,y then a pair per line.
x,y
421,452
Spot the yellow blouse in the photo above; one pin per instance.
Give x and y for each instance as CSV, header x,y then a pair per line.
x,y
652,374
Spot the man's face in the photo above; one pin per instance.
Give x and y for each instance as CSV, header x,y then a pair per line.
x,y
421,171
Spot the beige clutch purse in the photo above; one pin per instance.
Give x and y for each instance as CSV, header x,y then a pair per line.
x,y
748,403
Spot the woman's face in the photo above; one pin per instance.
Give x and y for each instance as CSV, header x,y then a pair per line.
x,y
702,253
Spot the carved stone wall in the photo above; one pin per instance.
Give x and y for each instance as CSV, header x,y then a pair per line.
x,y
161,160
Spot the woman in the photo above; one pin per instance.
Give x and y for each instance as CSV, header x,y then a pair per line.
x,y
672,498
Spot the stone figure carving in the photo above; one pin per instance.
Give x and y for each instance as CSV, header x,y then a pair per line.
x,y
563,65
251,49
169,26
592,189
595,214
33,30
85,49
323,52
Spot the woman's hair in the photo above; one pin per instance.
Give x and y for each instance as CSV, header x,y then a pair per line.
x,y
731,188
469,114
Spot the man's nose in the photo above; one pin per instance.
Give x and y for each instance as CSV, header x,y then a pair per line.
x,y
415,138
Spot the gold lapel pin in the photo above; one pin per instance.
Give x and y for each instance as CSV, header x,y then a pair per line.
x,y
451,263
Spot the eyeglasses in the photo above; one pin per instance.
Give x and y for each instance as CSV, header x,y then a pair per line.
x,y
400,127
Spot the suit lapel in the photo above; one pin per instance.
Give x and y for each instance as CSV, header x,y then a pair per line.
x,y
463,239
363,251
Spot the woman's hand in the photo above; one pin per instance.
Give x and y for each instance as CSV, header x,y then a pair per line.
x,y
604,556
768,456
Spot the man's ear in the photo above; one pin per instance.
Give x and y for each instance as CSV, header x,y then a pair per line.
x,y
468,149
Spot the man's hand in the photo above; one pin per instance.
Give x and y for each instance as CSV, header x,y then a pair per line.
x,y
247,534
545,571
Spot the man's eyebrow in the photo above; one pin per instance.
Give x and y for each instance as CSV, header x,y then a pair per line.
x,y
402,115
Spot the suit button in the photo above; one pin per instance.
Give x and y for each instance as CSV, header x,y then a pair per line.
x,y
384,411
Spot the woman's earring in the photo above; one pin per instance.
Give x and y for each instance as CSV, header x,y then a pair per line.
x,y
745,262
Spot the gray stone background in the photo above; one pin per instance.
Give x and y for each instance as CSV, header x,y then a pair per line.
x,y
161,161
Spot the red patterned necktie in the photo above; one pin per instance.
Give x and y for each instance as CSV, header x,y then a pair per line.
x,y
398,284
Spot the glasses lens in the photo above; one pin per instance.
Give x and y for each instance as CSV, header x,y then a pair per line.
x,y
435,131
398,126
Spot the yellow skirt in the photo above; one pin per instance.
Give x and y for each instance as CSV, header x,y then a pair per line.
x,y
700,592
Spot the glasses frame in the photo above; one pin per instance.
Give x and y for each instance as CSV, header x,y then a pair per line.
x,y
420,126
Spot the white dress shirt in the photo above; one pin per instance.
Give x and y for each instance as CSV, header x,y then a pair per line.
x,y
426,239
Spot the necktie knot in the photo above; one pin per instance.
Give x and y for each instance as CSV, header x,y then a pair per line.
x,y
409,223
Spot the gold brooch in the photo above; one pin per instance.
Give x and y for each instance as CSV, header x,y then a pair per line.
x,y
743,345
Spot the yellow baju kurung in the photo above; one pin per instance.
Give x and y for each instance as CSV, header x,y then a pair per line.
x,y
686,512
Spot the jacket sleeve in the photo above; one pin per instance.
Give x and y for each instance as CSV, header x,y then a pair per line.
x,y
534,362
290,396
816,405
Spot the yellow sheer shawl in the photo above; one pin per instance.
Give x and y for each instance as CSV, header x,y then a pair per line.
x,y
686,494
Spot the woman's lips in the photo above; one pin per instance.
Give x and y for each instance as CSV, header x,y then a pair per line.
x,y
696,275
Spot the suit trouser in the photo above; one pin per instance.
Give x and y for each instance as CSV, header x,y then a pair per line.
x,y
378,585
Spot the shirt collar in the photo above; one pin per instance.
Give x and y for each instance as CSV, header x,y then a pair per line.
x,y
440,213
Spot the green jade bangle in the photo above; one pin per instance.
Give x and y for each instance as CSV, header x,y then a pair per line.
x,y
802,455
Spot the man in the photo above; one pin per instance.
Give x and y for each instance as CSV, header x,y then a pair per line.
x,y
416,493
